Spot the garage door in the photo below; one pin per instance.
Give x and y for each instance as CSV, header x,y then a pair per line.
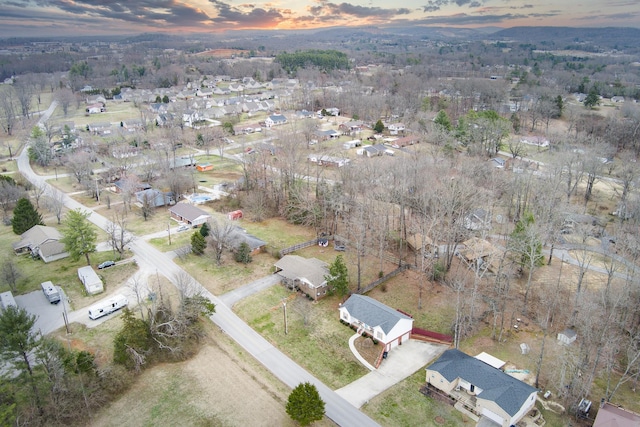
x,y
492,416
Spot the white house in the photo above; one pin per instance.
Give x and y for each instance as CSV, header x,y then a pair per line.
x,y
481,388
275,120
395,128
390,327
567,336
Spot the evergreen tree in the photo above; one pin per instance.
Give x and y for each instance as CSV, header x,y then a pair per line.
x,y
338,278
25,216
198,243
243,254
205,230
78,235
442,120
305,404
592,99
378,127
133,342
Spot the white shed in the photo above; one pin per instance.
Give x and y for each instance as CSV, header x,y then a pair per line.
x,y
567,336
90,279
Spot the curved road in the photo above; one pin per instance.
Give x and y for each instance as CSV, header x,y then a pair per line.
x,y
290,373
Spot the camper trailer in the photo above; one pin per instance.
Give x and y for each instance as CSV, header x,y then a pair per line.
x,y
7,300
107,306
51,292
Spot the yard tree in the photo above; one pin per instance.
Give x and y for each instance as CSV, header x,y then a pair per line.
x,y
39,150
442,120
10,274
592,99
338,278
219,237
55,204
526,246
205,229
243,254
198,243
78,235
305,404
65,98
8,109
378,127
119,237
133,342
25,216
18,341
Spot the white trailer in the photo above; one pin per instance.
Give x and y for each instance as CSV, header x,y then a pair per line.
x,y
51,292
107,306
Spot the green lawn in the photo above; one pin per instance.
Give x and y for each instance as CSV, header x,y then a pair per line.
x,y
315,339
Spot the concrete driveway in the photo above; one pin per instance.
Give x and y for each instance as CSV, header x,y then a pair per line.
x,y
401,362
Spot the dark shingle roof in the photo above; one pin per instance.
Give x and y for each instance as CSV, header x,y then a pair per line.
x,y
373,312
507,392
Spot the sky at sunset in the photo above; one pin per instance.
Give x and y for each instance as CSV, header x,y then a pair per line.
x,y
98,17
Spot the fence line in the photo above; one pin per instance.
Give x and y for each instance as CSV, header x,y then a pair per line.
x,y
302,245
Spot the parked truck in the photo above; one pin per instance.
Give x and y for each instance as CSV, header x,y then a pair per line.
x,y
51,292
107,306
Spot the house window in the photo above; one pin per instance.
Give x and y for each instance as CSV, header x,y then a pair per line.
x,y
378,335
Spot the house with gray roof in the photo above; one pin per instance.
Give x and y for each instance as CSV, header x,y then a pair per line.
x,y
238,236
306,274
480,388
41,241
185,212
390,327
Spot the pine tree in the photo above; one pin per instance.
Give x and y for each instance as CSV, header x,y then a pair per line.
x,y
378,127
338,278
78,235
305,404
205,229
198,243
25,216
243,254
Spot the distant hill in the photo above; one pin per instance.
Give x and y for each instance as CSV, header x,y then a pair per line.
x,y
560,37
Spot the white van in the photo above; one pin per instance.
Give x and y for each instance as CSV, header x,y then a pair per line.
x,y
107,306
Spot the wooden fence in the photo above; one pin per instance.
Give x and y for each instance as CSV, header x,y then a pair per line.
x,y
430,336
302,245
383,279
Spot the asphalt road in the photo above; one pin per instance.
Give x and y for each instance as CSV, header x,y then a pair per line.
x,y
337,408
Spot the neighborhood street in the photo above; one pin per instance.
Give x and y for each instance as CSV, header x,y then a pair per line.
x,y
337,408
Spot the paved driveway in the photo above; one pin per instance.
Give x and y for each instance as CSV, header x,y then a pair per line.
x,y
401,362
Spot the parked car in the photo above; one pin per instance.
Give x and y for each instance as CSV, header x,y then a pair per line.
x,y
340,247
106,264
183,227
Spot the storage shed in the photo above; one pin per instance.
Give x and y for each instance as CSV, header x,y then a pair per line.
x,y
567,336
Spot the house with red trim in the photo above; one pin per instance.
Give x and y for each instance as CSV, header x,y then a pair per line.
x,y
390,327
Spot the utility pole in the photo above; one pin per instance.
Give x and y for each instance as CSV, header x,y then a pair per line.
x,y
286,329
169,231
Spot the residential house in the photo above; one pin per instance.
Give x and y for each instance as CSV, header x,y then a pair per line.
x,y
238,236
477,220
325,160
275,120
130,185
95,109
306,274
390,327
395,128
185,212
481,388
351,127
352,144
41,241
189,117
617,99
610,415
90,279
498,162
405,141
323,135
155,197
103,128
374,150
480,255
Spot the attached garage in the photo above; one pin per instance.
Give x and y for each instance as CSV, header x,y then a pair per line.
x,y
492,416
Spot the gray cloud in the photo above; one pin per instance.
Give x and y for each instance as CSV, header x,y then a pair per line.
x,y
335,11
435,5
255,17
